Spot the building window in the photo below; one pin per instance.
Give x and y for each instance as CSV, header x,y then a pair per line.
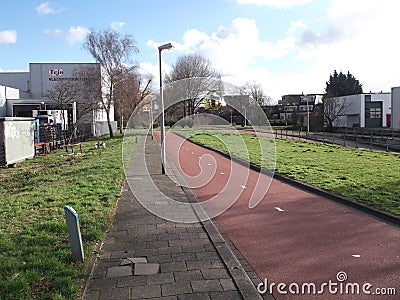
x,y
375,113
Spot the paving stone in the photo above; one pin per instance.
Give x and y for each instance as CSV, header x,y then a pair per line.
x,y
92,295
138,260
160,258
208,255
183,256
160,278
145,292
194,296
173,267
146,269
227,295
188,275
227,284
115,293
119,271
102,283
175,288
129,281
215,273
198,264
206,286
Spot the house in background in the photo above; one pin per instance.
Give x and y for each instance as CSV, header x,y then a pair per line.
x,y
370,110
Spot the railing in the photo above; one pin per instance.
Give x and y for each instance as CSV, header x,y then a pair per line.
x,y
370,138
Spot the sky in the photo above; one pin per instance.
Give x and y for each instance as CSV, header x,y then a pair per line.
x,y
287,46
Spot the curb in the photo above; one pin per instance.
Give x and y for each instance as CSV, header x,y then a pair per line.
x,y
381,215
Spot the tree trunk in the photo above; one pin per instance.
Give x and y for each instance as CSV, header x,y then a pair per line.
x,y
109,124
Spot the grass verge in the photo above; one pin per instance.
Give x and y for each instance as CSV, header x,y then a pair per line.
x,y
369,177
35,258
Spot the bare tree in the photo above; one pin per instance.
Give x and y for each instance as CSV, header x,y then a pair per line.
x,y
85,92
62,96
257,94
193,66
113,52
334,108
130,90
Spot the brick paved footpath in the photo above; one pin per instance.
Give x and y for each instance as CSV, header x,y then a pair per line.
x,y
190,261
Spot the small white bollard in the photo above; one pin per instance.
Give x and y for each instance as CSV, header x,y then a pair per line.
x,y
74,232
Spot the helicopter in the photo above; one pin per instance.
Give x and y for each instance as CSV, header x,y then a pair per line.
x,y
213,101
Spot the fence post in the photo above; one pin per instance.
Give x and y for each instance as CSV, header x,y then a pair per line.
x,y
372,134
387,144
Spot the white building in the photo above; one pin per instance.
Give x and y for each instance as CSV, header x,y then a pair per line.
x,y
24,92
395,101
366,110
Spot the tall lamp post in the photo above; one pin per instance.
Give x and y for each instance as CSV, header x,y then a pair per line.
x,y
151,116
160,49
308,117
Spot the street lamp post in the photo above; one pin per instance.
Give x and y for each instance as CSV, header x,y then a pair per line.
x,y
160,49
308,118
245,116
151,116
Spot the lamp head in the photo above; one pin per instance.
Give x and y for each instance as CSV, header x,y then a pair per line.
x,y
165,47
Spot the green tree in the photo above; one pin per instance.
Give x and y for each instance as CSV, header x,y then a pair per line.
x,y
339,84
342,85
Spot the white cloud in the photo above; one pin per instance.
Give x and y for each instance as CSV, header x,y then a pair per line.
x,y
8,36
297,25
275,3
235,50
53,33
356,36
45,9
361,38
76,34
117,25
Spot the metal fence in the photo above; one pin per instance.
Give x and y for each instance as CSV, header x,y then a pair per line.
x,y
369,138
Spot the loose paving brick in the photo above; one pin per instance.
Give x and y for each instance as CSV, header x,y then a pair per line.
x,y
119,271
146,269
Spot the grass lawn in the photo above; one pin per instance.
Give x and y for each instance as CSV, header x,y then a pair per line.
x,y
368,177
35,256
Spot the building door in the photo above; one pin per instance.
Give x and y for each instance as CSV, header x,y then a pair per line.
x,y
388,120
373,114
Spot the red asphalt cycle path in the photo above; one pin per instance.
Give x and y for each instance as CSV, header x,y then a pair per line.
x,y
294,236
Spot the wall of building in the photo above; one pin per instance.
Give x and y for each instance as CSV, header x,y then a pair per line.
x,y
17,80
6,94
395,102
